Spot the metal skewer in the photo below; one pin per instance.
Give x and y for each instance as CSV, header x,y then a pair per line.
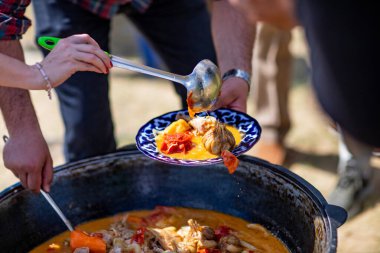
x,y
51,201
57,210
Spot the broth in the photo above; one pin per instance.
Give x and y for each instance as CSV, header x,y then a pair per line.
x,y
253,234
198,152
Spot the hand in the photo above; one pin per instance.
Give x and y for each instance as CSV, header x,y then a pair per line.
x,y
28,157
72,54
233,94
279,13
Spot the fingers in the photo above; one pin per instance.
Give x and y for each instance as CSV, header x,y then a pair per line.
x,y
88,45
22,177
47,175
82,39
83,66
95,50
233,95
241,107
226,99
84,49
34,181
91,59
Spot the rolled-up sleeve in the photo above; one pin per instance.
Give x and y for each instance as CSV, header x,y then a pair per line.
x,y
13,23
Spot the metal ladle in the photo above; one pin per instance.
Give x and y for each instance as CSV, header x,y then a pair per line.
x,y
57,210
204,83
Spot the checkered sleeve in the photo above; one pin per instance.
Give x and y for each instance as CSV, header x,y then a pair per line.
x,y
13,23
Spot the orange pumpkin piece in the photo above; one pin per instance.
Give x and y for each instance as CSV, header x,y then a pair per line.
x,y
80,239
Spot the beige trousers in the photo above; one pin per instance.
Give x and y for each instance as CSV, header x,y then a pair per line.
x,y
272,69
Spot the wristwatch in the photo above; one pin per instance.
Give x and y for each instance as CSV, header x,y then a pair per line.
x,y
239,74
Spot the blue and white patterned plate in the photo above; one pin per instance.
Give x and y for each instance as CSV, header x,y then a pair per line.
x,y
247,126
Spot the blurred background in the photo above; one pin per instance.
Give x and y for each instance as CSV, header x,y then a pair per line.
x,y
312,145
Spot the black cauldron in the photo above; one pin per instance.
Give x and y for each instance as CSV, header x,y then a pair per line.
x,y
102,186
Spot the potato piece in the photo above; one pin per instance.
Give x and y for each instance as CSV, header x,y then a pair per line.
x,y
179,126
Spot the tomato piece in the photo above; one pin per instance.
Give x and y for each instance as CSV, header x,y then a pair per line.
x,y
222,231
176,143
139,236
159,213
173,148
230,161
178,137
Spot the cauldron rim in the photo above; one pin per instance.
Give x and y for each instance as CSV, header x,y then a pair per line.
x,y
333,216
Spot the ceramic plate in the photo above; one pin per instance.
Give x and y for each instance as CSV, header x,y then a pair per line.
x,y
247,126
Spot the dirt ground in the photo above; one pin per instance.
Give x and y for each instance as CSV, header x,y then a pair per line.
x,y
312,146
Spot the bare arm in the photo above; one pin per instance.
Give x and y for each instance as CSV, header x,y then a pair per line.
x,y
72,54
15,73
279,13
233,38
26,153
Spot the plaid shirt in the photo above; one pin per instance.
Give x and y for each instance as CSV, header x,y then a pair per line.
x,y
13,23
108,8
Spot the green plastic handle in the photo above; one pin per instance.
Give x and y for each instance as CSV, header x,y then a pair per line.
x,y
49,43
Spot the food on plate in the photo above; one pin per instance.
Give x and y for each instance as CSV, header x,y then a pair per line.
x,y
218,139
202,124
230,161
166,230
179,126
199,138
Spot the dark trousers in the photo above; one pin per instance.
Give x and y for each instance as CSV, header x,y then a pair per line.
x,y
178,29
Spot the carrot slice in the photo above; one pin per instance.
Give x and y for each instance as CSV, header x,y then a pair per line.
x,y
230,161
79,239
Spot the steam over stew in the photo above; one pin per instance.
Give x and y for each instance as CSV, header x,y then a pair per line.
x,y
166,230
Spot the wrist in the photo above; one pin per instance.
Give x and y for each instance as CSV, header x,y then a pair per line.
x,y
34,79
240,74
45,78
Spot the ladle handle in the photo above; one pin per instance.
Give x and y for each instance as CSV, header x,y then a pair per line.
x,y
49,43
126,64
57,210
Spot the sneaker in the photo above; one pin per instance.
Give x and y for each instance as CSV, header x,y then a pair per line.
x,y
350,191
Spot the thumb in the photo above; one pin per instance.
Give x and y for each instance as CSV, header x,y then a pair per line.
x,y
47,175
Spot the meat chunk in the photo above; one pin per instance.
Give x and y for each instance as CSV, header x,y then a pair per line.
x,y
230,244
82,250
208,233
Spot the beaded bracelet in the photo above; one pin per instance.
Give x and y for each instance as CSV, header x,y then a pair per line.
x,y
46,78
